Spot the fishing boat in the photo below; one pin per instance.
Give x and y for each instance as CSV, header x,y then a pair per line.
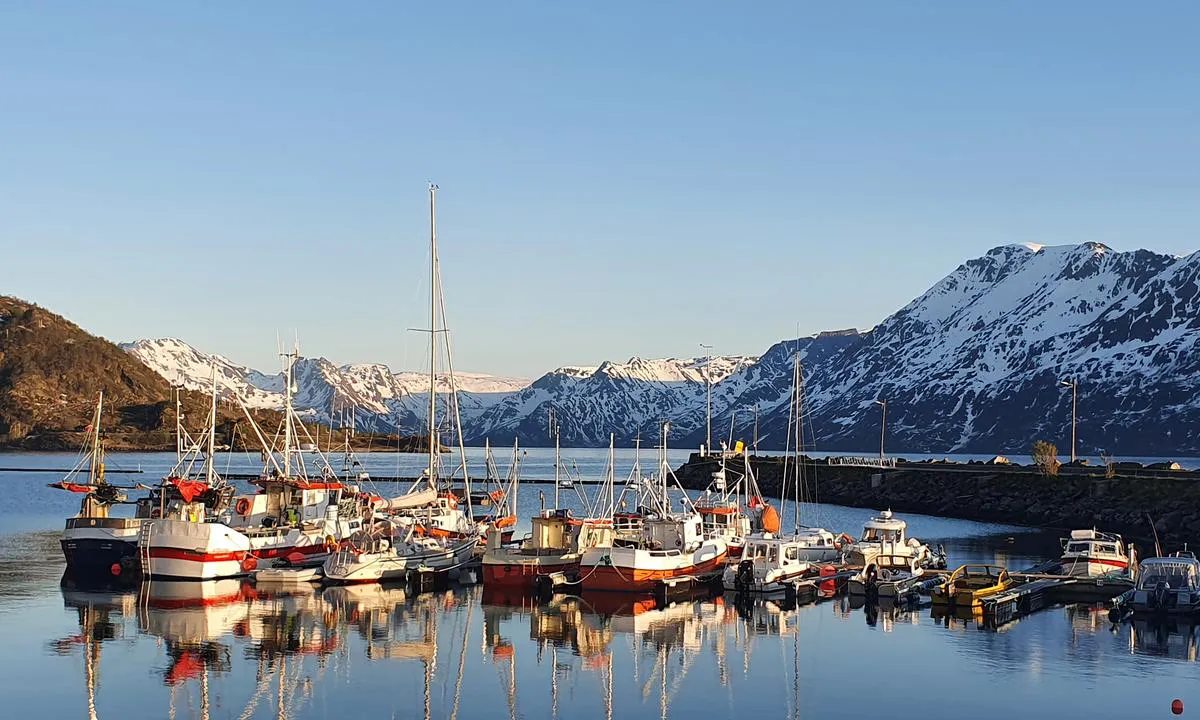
x,y
1167,585
94,543
672,545
969,585
556,543
888,576
203,530
720,506
885,534
439,536
1091,553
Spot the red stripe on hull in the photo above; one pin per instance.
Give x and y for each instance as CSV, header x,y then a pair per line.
x,y
1095,561
521,576
170,553
606,577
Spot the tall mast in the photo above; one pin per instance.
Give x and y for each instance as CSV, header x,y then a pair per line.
x,y
212,432
433,278
96,472
178,426
288,429
798,390
557,462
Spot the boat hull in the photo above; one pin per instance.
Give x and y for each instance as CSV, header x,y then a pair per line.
x,y
640,571
345,568
181,550
519,573
101,547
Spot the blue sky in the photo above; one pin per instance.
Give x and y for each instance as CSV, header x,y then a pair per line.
x,y
616,179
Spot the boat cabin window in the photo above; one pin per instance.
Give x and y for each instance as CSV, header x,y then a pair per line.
x,y
760,551
792,553
1107,548
877,535
1077,547
773,554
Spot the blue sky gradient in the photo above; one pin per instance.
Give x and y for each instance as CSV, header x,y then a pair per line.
x,y
617,179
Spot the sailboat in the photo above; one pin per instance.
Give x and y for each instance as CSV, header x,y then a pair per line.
x,y
208,532
436,536
94,542
771,562
671,545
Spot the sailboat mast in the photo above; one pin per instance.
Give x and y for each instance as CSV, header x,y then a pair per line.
x,y
96,472
433,277
288,429
178,426
797,391
557,462
212,432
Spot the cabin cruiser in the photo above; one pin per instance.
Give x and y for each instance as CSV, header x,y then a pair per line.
x,y
556,545
884,534
1090,553
1167,585
887,576
770,564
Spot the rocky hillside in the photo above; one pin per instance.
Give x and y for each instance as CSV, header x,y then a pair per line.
x,y
51,372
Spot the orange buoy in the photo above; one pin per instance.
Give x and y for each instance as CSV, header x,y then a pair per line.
x,y
249,564
1176,707
115,569
770,519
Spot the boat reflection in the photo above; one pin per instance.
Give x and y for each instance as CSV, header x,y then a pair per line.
x,y
1165,637
103,617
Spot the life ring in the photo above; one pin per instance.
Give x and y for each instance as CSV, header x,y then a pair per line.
x,y
242,507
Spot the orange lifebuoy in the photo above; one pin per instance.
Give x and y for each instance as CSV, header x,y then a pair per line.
x,y
242,507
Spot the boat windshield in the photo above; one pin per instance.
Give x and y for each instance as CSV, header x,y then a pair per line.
x,y
877,535
1176,576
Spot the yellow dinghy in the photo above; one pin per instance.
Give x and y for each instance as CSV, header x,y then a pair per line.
x,y
970,584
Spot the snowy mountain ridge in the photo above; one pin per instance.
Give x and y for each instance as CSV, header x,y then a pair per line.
x,y
974,364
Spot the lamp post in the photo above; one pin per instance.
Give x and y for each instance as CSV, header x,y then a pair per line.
x,y
1074,385
708,399
882,426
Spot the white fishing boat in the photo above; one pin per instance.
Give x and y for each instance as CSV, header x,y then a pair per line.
x,y
769,565
1091,553
886,534
203,531
439,536
887,576
1168,585
671,545
721,505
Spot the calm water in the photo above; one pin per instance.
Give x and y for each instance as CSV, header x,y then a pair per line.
x,y
229,650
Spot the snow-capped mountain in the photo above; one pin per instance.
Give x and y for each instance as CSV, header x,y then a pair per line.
x,y
975,364
626,399
379,398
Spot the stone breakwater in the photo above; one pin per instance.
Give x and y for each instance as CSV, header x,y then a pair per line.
x,y
1079,497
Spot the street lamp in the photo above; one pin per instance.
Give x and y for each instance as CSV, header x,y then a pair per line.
x,y
708,399
882,426
1074,385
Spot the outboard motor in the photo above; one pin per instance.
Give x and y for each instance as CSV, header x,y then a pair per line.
x,y
1158,598
872,582
744,578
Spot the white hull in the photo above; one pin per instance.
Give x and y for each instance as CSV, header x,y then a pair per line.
x,y
205,551
346,566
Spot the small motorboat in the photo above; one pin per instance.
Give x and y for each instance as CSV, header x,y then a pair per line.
x,y
1091,553
889,576
1168,585
769,565
288,575
885,534
969,585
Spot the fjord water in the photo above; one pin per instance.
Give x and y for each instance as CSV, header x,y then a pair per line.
x,y
235,651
